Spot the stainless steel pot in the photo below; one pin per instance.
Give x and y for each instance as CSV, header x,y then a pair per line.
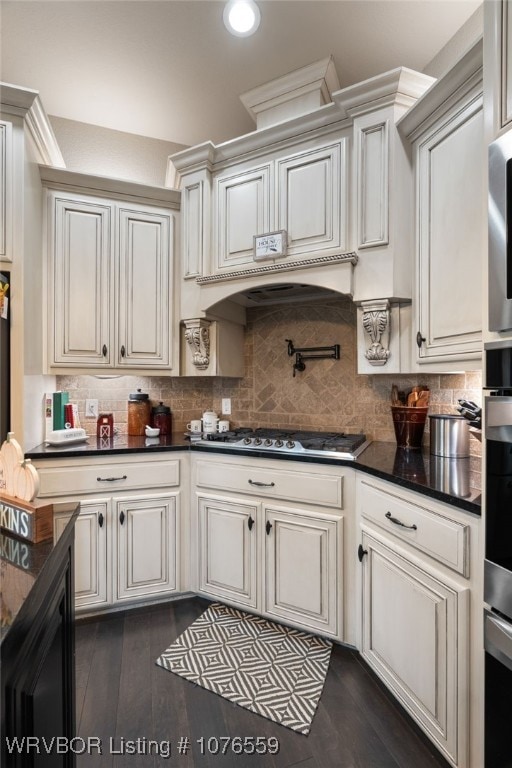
x,y
450,475
449,435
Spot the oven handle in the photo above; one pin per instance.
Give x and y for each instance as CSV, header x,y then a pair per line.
x,y
498,638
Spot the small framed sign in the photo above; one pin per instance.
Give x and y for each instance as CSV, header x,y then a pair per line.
x,y
270,246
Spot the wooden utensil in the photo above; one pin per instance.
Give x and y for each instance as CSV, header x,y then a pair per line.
x,y
395,400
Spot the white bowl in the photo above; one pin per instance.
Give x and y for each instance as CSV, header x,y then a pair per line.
x,y
152,431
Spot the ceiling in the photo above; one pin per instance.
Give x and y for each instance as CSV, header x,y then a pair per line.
x,y
170,70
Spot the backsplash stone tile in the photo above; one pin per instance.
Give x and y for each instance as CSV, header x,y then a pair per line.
x,y
328,395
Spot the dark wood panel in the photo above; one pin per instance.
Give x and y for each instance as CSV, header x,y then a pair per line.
x,y
122,692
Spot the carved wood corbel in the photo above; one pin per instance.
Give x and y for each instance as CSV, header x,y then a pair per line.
x,y
197,335
377,326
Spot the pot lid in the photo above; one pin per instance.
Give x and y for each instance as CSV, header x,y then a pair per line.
x,y
161,408
138,395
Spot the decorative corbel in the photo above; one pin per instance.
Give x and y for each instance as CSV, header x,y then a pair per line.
x,y
197,334
377,326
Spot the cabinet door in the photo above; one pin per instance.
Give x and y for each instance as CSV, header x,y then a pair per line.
x,y
145,288
146,539
242,211
310,204
5,191
227,554
81,281
451,236
302,563
90,552
414,636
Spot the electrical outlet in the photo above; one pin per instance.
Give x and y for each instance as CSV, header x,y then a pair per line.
x,y
91,409
226,406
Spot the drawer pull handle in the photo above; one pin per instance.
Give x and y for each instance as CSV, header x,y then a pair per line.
x,y
268,527
104,350
100,520
121,517
261,485
110,479
250,523
396,521
123,351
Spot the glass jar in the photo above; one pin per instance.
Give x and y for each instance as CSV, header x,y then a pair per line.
x,y
161,417
138,413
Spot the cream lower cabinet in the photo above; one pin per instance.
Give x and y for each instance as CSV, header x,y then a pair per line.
x,y
90,552
414,636
227,550
416,632
295,580
270,538
301,565
127,542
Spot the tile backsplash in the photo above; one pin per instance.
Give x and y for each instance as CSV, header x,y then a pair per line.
x,y
329,394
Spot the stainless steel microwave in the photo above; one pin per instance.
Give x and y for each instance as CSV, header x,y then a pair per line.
x,y
500,233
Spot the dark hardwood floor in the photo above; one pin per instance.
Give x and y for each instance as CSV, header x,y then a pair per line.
x,y
122,694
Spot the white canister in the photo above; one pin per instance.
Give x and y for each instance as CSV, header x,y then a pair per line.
x,y
210,421
223,425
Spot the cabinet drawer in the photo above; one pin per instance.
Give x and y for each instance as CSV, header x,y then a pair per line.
x,y
310,488
440,537
72,477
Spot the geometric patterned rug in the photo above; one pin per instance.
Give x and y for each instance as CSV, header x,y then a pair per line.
x,y
270,669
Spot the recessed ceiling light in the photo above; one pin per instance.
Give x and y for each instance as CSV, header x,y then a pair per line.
x,y
241,17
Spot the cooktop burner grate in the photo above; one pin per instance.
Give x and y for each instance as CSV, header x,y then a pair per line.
x,y
327,444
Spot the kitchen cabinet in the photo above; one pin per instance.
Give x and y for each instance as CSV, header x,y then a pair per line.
x,y
146,546
498,65
127,544
303,193
90,551
227,525
446,128
419,588
6,191
301,567
284,531
122,249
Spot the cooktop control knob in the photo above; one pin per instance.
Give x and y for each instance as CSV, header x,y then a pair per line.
x,y
257,441
247,440
268,441
279,443
290,444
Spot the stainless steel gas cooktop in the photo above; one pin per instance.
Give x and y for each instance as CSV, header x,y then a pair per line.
x,y
289,441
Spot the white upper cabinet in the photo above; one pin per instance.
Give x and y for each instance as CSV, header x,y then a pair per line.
x,y
498,65
5,191
303,193
110,286
447,131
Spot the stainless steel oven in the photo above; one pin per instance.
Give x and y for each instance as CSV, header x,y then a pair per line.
x,y
498,555
500,233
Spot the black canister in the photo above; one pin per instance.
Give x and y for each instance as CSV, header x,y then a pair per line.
x,y
161,417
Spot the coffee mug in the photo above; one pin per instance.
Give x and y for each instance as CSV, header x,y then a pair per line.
x,y
223,425
194,426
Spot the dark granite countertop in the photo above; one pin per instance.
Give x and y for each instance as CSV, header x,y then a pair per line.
x,y
447,480
94,446
21,565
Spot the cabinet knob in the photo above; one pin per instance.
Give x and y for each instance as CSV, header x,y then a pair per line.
x,y
123,351
250,523
100,520
121,517
268,527
361,552
104,350
420,339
